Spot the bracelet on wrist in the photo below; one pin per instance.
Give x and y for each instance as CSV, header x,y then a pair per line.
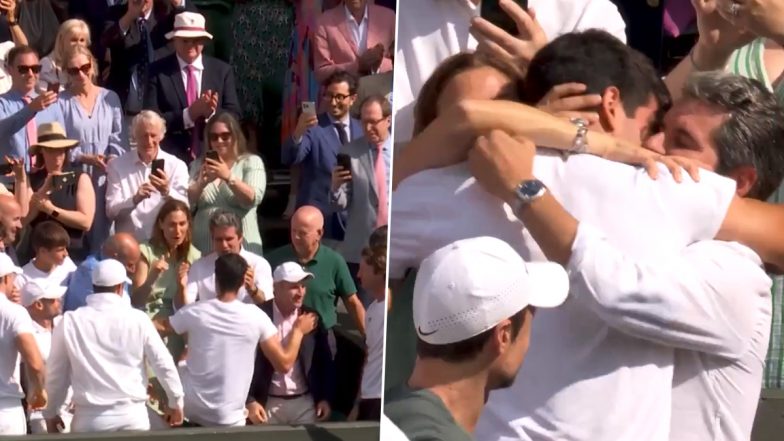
x,y
693,61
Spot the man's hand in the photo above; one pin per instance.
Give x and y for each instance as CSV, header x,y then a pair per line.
x,y
256,413
98,161
201,107
500,163
17,166
212,102
250,282
323,411
42,101
339,177
143,192
173,417
55,425
135,8
9,8
37,399
568,100
371,59
160,182
304,122
496,42
306,323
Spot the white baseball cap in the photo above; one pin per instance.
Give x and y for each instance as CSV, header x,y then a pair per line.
x,y
7,266
109,272
471,285
35,290
290,272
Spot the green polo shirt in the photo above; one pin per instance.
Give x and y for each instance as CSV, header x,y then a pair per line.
x,y
422,416
331,280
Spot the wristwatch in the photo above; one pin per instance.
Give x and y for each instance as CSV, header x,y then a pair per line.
x,y
55,214
580,143
527,192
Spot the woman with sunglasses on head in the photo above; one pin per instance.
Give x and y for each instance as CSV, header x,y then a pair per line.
x,y
226,176
92,115
72,33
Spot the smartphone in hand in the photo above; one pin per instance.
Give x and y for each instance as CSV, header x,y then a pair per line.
x,y
309,107
212,155
495,14
157,164
344,161
53,87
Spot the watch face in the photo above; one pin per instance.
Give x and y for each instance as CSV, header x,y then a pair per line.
x,y
531,188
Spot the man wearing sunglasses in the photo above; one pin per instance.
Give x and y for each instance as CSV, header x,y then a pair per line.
x,y
23,108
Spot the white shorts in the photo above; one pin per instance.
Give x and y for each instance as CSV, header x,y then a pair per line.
x,y
130,417
12,417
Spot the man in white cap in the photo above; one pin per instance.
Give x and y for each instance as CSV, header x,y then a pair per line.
x,y
101,350
223,334
204,84
474,302
43,303
301,395
16,338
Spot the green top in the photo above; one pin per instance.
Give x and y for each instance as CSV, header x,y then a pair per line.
x,y
422,416
218,196
401,337
331,280
165,288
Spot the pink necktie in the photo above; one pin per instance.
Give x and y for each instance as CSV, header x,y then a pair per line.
x,y
678,15
32,133
192,95
381,185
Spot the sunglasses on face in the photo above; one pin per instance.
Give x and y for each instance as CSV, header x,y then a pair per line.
x,y
36,69
74,71
223,136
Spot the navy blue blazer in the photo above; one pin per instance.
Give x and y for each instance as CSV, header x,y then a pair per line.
x,y
166,94
314,357
317,153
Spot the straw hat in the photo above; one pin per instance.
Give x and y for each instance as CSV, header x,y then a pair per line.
x,y
51,135
189,25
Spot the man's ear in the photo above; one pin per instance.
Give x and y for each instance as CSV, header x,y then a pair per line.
x,y
609,108
745,177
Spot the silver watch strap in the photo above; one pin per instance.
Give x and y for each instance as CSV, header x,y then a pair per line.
x,y
580,143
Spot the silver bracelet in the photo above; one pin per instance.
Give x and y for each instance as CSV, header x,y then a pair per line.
x,y
580,143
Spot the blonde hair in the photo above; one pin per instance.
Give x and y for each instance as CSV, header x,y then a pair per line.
x,y
81,50
61,44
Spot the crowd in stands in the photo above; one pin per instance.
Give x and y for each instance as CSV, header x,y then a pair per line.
x,y
137,139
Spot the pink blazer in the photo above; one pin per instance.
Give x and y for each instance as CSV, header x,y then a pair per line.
x,y
335,48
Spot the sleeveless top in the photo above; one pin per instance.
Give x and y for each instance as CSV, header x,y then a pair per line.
x,y
64,199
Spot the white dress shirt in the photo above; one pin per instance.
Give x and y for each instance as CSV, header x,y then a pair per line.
x,y
359,31
575,357
711,302
198,65
201,278
101,349
14,321
223,338
124,177
430,31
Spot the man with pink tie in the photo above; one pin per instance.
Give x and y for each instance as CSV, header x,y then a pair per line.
x,y
356,37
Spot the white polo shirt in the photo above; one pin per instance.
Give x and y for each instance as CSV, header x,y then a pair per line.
x,y
430,31
14,321
222,337
575,357
201,278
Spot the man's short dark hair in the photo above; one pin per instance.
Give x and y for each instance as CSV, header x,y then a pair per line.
x,y
342,76
230,272
598,60
18,51
49,235
752,135
467,349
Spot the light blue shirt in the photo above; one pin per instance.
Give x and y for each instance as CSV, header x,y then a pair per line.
x,y
14,115
80,285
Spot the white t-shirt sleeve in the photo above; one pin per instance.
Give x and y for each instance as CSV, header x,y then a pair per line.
x,y
604,15
182,320
21,323
192,288
266,328
410,225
